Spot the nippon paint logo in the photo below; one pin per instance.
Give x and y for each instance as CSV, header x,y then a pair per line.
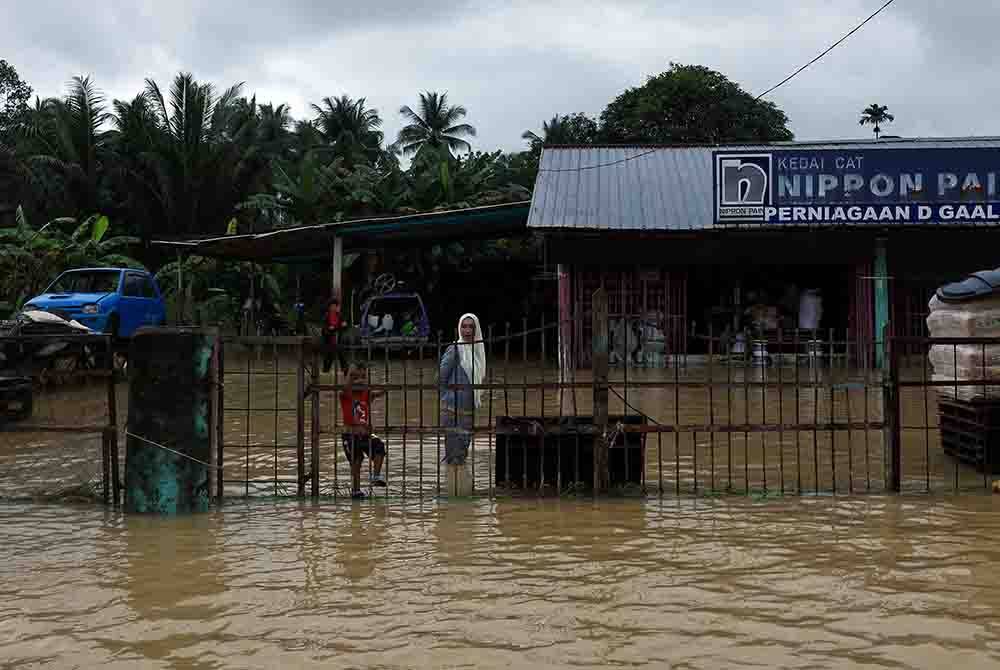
x,y
743,187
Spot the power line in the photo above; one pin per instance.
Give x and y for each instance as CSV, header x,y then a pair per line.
x,y
828,50
779,84
600,165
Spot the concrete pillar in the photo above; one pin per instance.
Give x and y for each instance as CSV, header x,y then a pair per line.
x,y
881,271
169,437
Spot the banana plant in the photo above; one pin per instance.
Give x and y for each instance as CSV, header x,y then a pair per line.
x,y
33,257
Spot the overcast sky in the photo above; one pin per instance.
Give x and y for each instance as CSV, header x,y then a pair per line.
x,y
513,64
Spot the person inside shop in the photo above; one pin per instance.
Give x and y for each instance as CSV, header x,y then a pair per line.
x,y
333,324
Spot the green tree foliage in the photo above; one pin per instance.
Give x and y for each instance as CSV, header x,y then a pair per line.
x,y
15,95
32,257
187,159
691,104
350,128
567,129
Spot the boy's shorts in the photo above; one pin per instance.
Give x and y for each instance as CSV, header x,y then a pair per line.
x,y
363,445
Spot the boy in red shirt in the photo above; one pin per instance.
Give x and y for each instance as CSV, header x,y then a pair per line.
x,y
332,325
358,439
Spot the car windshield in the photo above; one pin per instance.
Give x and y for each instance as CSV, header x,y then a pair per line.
x,y
96,281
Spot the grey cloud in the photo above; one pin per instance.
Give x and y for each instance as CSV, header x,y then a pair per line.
x,y
514,64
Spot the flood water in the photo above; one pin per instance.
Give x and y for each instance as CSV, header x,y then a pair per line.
x,y
690,579
861,582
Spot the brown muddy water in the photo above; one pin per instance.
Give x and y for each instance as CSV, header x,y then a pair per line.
x,y
684,581
863,582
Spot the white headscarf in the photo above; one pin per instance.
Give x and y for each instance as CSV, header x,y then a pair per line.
x,y
473,356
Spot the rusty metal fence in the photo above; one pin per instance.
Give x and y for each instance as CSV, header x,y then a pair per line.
x,y
787,414
59,418
944,402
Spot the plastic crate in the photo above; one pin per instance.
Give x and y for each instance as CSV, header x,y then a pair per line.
x,y
970,432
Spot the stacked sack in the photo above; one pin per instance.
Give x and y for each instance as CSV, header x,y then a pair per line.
x,y
970,308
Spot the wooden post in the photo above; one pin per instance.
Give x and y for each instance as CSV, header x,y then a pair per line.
x,y
338,268
890,403
600,375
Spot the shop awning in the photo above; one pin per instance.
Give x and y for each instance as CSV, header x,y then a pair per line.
x,y
306,243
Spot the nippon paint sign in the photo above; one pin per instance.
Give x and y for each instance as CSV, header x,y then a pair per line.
x,y
857,186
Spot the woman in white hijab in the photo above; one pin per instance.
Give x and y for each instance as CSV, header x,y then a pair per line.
x,y
463,365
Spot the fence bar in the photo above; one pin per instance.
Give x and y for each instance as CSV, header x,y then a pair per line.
x,y
541,404
274,360
781,407
600,376
524,401
420,418
106,465
314,436
300,424
891,418
113,424
833,417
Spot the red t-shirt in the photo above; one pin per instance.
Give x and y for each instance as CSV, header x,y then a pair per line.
x,y
355,413
333,322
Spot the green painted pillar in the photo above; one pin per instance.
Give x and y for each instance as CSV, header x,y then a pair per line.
x,y
168,452
881,270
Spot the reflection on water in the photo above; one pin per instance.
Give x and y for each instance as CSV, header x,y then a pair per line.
x,y
684,582
261,430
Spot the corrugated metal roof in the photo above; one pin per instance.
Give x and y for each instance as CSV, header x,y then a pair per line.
x,y
658,188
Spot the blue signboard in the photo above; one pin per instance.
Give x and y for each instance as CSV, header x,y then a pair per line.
x,y
857,186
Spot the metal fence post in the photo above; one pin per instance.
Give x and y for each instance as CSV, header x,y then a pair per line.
x,y
300,418
891,407
112,432
220,417
315,426
600,375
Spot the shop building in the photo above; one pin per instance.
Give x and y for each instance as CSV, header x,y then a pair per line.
x,y
765,241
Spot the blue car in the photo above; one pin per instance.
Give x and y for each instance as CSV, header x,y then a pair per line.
x,y
115,301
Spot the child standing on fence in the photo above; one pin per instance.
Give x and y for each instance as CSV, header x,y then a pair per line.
x,y
358,440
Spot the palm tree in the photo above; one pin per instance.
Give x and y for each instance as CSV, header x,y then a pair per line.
x,y
435,125
67,138
349,127
563,129
201,158
553,132
876,115
272,126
